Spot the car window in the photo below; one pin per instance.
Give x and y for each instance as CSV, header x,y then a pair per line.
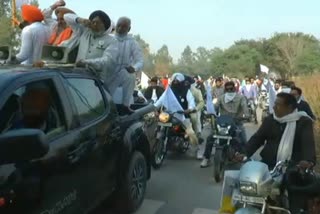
x,y
34,105
88,99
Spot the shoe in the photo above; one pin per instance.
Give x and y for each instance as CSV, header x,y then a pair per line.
x,y
205,163
199,154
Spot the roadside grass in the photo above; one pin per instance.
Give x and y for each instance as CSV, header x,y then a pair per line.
x,y
310,86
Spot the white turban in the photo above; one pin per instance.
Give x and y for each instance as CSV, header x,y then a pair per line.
x,y
178,76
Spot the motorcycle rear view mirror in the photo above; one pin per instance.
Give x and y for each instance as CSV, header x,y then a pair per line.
x,y
22,145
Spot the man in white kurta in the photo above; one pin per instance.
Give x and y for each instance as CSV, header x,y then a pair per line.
x,y
94,41
33,36
129,61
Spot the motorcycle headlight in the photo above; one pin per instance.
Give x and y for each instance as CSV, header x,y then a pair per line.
x,y
248,188
223,130
164,117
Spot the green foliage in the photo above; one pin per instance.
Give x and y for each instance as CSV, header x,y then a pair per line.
x,y
9,36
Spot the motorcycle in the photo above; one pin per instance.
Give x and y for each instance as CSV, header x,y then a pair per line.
x,y
252,110
260,190
226,141
170,135
264,104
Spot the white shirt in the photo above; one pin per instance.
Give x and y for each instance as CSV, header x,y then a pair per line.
x,y
33,37
130,53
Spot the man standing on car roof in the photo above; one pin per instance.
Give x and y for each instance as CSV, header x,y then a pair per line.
x,y
60,32
128,62
34,35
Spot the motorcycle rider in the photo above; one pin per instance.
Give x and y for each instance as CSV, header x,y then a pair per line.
x,y
218,90
196,116
231,104
154,91
186,100
285,135
249,91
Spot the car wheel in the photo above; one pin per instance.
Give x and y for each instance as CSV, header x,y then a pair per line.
x,y
133,188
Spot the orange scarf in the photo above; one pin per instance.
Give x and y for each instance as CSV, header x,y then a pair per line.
x,y
64,35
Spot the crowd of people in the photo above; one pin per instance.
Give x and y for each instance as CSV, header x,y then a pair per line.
x,y
287,132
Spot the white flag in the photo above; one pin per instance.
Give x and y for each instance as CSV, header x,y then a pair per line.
x,y
144,80
170,102
19,3
264,69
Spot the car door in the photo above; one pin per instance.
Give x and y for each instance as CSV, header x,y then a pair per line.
x,y
96,151
45,185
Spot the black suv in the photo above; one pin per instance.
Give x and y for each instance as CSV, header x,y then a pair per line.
x,y
63,148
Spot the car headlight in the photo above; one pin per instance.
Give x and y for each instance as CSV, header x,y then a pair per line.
x,y
223,130
164,117
248,188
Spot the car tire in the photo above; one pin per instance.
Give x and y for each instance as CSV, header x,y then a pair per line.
x,y
131,193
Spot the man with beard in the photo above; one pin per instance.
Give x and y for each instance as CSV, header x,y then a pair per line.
x,y
186,102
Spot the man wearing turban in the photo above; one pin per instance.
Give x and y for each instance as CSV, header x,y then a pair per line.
x,y
33,36
128,61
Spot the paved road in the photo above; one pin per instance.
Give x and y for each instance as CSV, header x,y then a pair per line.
x,y
182,187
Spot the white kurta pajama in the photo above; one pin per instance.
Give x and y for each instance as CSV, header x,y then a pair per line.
x,y
130,54
33,37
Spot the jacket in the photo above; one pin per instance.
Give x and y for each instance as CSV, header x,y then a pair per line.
x,y
269,135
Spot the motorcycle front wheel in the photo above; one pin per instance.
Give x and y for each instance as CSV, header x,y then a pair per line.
x,y
158,154
219,165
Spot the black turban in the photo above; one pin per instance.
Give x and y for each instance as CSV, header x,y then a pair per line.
x,y
103,16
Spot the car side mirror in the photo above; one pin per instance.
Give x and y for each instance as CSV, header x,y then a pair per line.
x,y
5,53
58,55
22,145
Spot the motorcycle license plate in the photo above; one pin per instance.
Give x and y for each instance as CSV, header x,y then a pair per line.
x,y
165,124
237,196
222,137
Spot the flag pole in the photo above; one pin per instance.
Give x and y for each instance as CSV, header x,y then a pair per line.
x,y
14,12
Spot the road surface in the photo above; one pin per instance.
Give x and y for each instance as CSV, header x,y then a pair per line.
x,y
180,186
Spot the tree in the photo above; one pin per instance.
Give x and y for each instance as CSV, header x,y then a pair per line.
x,y
163,61
9,36
292,49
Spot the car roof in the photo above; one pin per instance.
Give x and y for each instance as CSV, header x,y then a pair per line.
x,y
10,73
